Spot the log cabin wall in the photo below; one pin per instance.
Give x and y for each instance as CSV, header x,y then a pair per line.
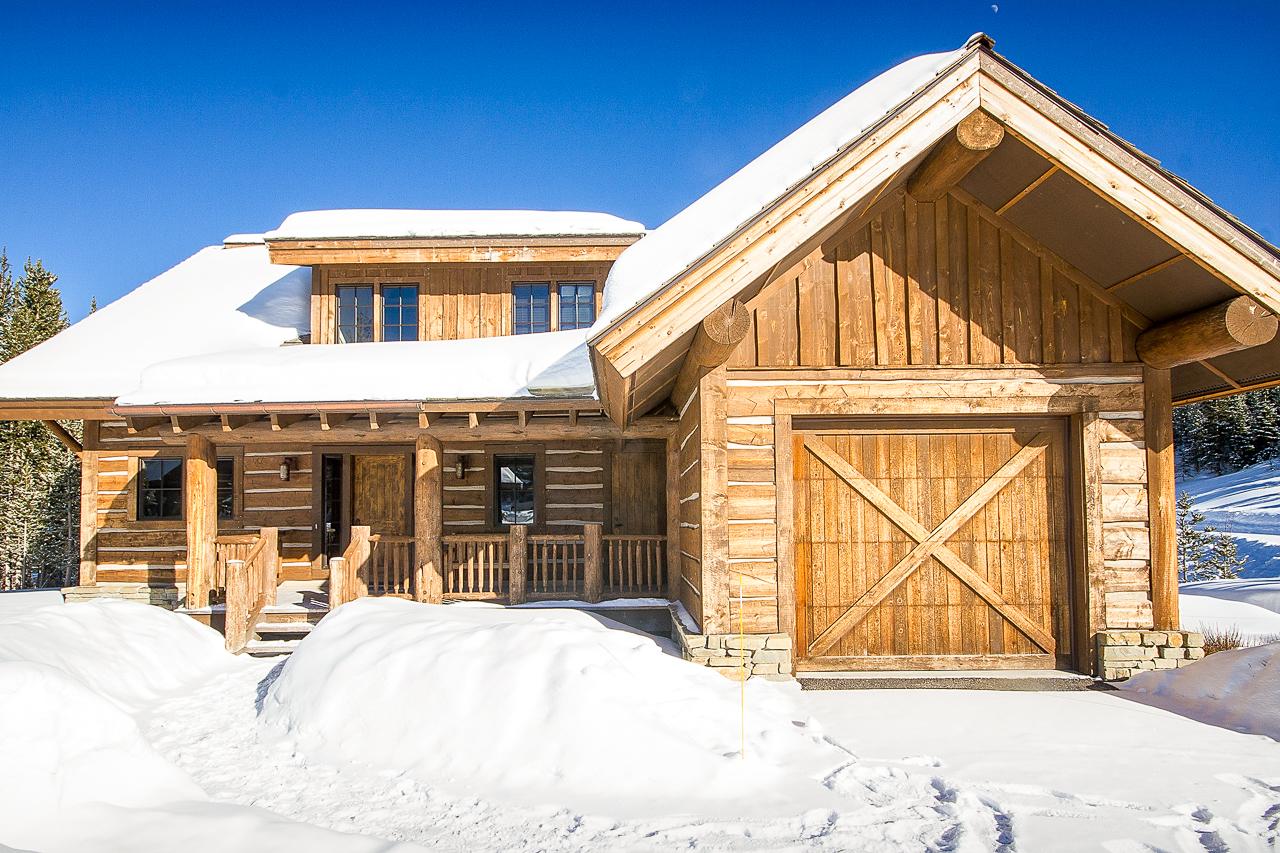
x,y
618,484
132,551
472,300
931,309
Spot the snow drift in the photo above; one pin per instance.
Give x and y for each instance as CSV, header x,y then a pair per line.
x,y
1206,613
1237,689
65,746
129,653
537,706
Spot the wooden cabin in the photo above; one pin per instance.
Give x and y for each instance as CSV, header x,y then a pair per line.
x,y
896,395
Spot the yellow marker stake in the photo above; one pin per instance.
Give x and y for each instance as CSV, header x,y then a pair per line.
x,y
742,644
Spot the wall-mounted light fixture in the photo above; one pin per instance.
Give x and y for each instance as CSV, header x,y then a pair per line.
x,y
285,464
460,468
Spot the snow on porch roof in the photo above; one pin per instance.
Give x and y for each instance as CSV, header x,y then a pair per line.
x,y
445,224
218,299
554,364
671,248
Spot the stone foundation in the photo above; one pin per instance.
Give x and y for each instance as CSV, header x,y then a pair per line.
x,y
754,655
161,596
1123,654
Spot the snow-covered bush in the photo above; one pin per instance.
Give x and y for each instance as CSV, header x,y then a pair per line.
x,y
537,705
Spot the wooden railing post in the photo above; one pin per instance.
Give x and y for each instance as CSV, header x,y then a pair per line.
x,y
238,606
517,562
270,563
358,553
427,521
338,583
592,563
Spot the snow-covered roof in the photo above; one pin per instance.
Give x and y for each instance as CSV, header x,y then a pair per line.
x,y
554,364
443,224
671,248
218,299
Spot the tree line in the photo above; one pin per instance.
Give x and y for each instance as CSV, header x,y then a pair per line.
x,y
39,476
1227,434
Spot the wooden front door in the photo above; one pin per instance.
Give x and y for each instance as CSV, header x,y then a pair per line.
x,y
380,496
932,545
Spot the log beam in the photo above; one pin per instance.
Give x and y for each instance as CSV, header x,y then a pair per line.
x,y
427,522
1236,324
68,440
976,136
201,517
715,340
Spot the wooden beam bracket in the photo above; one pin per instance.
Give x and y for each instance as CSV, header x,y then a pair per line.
x,y
1236,324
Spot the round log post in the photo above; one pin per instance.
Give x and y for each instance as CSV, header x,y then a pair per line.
x,y
239,603
1236,324
337,582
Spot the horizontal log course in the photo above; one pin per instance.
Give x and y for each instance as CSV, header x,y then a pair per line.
x,y
1227,327
976,136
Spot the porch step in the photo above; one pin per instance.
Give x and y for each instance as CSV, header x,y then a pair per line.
x,y
1014,680
270,648
280,630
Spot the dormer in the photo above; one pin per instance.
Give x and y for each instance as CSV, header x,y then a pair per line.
x,y
396,275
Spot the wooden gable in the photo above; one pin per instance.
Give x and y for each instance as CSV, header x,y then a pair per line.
x,y
935,284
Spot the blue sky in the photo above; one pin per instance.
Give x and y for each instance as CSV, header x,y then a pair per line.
x,y
132,135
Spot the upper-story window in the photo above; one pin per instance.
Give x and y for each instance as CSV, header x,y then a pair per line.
x,y
542,306
532,307
577,304
355,313
400,312
396,305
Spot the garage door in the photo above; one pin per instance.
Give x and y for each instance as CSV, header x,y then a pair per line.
x,y
932,545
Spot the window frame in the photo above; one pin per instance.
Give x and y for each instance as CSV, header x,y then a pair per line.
x,y
559,286
498,451
337,311
134,488
553,284
380,310
551,314
377,285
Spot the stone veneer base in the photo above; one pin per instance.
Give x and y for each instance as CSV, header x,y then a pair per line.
x,y
1124,653
162,596
734,656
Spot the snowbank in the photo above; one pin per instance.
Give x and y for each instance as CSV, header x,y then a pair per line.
x,y
1237,689
1260,592
535,706
241,298
554,364
668,250
129,653
400,224
62,745
22,600
1207,614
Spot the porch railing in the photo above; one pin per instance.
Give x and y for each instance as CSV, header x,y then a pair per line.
x,y
250,573
226,548
514,567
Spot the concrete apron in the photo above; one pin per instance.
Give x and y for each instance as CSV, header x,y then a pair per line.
x,y
1021,680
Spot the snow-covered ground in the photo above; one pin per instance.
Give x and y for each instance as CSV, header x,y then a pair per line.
x,y
401,726
1246,504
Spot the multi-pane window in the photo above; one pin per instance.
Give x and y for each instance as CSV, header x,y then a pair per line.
x,y
513,489
400,312
226,488
532,308
160,489
355,313
577,304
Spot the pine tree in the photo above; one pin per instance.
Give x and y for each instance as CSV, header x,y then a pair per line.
x,y
39,477
1203,552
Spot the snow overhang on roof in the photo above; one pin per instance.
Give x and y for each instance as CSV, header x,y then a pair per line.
x,y
435,236
549,365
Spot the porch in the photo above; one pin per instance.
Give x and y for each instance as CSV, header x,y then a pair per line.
x,y
509,568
